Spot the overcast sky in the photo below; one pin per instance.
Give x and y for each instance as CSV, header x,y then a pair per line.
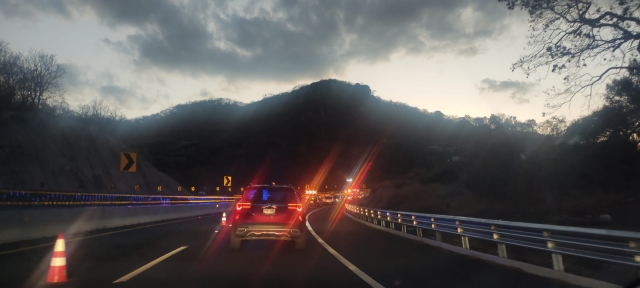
x,y
144,56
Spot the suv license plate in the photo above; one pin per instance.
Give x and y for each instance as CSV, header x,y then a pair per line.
x,y
269,211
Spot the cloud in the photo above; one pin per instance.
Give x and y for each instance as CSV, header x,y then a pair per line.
x,y
204,93
287,40
518,89
118,46
22,9
85,84
75,77
124,97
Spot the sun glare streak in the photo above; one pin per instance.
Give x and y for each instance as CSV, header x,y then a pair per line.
x,y
326,166
362,170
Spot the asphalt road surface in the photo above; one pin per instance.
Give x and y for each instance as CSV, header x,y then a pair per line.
x,y
202,258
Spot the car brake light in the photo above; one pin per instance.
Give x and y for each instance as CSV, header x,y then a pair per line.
x,y
241,205
296,206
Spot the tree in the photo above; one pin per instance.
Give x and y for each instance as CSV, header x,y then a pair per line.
x,y
495,121
576,38
555,126
527,126
42,74
10,75
29,82
98,110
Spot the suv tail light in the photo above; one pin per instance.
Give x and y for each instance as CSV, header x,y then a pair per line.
x,y
296,206
241,205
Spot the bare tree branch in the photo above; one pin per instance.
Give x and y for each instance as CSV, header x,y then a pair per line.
x,y
576,38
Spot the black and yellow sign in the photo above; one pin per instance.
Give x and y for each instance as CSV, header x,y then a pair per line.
x,y
159,188
306,187
227,181
193,189
179,188
137,187
229,189
128,162
217,188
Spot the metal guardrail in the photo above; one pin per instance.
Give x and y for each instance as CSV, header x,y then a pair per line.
x,y
606,245
19,198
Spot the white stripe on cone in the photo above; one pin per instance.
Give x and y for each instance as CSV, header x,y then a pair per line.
x,y
58,261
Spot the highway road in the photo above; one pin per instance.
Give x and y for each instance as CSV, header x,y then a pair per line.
x,y
99,258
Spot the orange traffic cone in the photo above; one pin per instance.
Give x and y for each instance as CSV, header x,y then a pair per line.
x,y
224,219
58,267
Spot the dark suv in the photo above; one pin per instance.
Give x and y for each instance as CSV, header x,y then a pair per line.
x,y
268,212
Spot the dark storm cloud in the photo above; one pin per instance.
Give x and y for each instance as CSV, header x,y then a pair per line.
x,y
29,8
517,90
284,40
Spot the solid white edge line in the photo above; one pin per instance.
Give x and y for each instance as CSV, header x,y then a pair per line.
x,y
344,261
145,267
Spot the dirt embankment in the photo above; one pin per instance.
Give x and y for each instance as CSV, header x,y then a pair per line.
x,y
48,153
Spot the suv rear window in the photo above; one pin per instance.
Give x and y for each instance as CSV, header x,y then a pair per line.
x,y
270,195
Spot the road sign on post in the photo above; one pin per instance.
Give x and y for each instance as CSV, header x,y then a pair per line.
x,y
128,162
227,181
217,188
306,187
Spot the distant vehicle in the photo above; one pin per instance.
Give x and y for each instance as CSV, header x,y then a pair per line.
x,y
268,212
337,198
312,201
327,199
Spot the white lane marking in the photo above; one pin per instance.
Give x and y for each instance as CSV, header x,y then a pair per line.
x,y
145,267
344,261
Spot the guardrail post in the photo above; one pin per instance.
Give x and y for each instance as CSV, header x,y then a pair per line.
x,y
465,239
419,232
433,226
392,226
555,258
502,250
557,262
404,228
465,242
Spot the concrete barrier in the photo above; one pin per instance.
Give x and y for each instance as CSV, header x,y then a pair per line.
x,y
25,224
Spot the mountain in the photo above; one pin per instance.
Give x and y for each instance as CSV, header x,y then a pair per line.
x,y
316,134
